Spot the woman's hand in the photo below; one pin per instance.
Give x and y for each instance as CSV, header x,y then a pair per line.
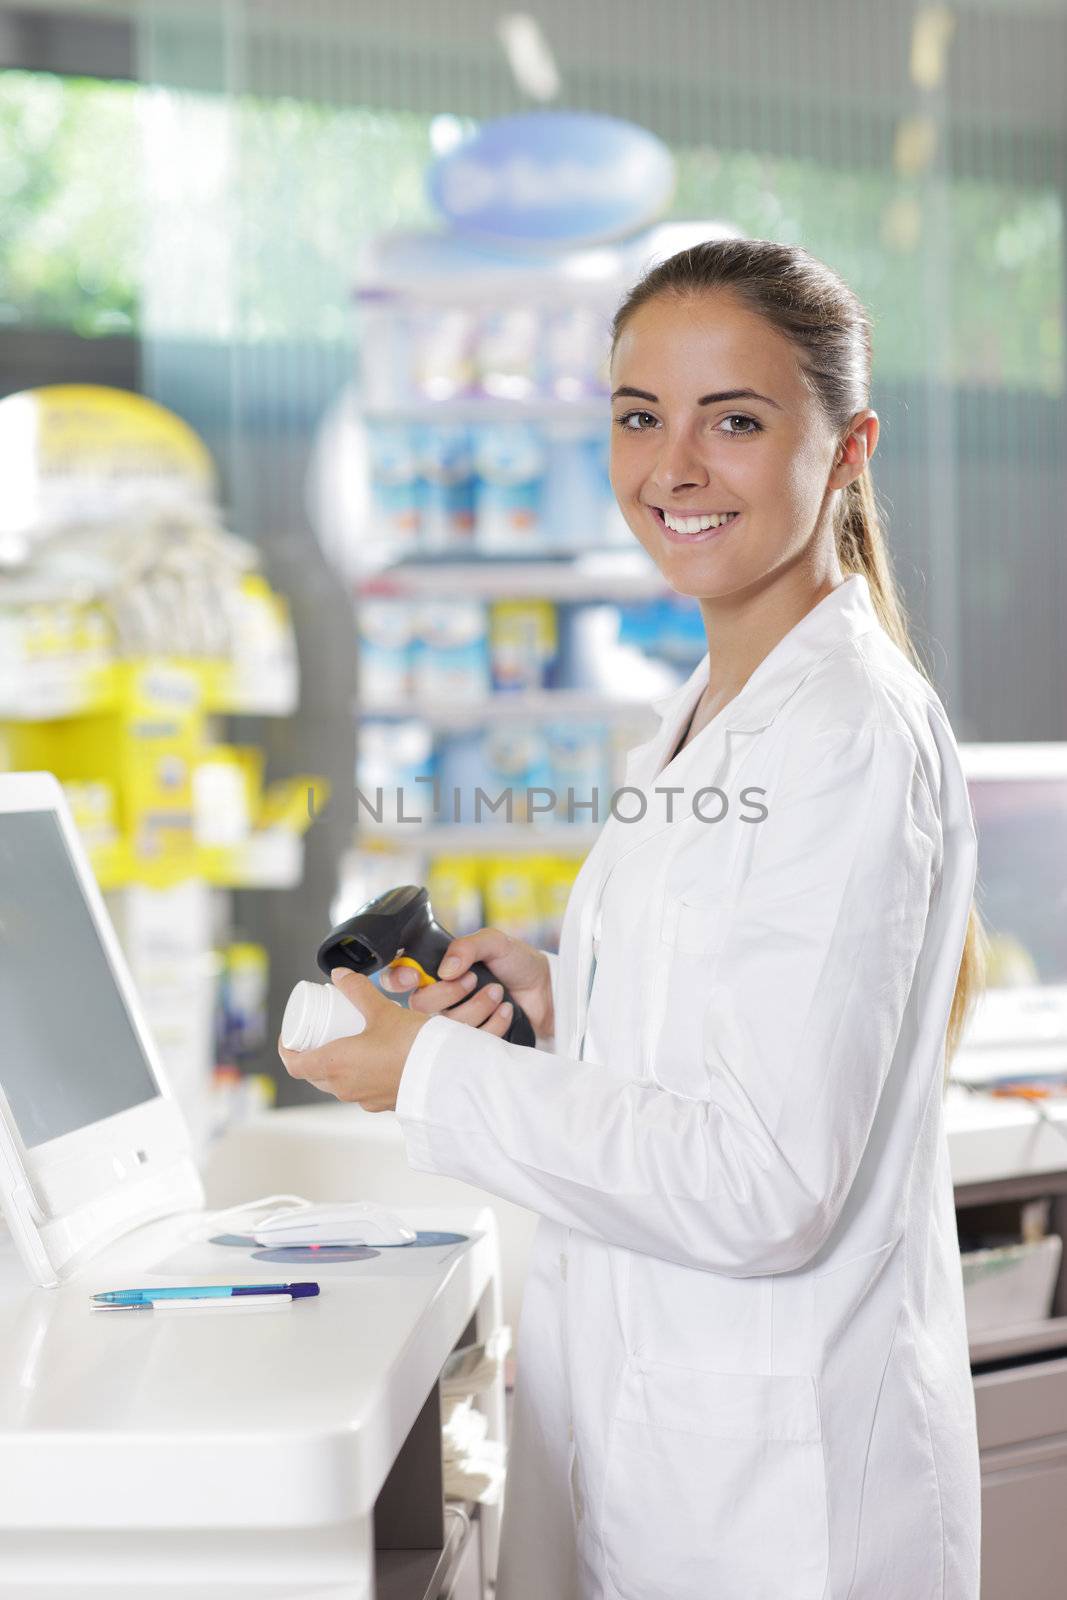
x,y
521,969
366,1067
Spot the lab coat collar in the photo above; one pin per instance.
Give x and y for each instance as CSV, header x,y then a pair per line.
x,y
844,614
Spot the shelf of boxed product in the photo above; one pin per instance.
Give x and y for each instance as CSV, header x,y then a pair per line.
x,y
485,478
156,794
61,657
132,622
473,711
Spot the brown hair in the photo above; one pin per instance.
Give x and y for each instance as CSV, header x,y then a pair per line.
x,y
805,300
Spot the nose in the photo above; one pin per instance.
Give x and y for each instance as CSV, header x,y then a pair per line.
x,y
678,465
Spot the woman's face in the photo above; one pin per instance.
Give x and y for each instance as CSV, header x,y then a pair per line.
x,y
689,443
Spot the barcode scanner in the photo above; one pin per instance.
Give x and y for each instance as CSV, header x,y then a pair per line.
x,y
399,929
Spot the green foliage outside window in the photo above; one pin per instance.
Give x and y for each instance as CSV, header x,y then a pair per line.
x,y
70,203
257,229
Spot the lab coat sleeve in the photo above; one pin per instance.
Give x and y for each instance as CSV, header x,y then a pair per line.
x,y
545,1042
801,1015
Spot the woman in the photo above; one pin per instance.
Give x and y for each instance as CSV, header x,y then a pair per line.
x,y
743,1365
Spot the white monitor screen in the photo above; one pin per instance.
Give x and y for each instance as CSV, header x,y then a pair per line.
x,y
1022,877
69,1055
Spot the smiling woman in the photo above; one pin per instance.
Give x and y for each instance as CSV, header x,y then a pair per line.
x,y
744,1363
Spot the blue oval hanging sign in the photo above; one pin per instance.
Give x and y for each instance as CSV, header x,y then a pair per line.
x,y
554,178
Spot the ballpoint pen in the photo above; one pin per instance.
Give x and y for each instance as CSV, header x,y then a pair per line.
x,y
224,1306
202,1291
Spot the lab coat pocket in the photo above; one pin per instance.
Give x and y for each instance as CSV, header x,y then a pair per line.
x,y
694,925
715,1486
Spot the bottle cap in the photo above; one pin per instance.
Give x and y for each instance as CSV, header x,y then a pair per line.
x,y
317,1014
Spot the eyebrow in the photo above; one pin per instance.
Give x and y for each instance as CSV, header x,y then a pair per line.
x,y
705,399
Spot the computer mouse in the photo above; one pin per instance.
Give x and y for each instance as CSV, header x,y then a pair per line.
x,y
357,1222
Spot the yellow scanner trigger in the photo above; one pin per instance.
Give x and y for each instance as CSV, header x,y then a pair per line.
x,y
409,961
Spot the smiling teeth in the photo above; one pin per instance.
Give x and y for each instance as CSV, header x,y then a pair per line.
x,y
697,524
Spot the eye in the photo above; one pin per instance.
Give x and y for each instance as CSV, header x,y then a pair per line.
x,y
624,420
738,416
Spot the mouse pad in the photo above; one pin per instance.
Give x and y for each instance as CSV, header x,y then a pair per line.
x,y
323,1255
220,1254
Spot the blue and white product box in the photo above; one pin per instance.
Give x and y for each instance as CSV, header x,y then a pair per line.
x,y
572,509
386,650
507,353
446,466
395,489
460,767
523,643
580,756
577,349
517,760
451,658
443,353
510,462
390,757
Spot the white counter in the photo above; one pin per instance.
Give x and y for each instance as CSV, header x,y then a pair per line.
x,y
208,1448
991,1139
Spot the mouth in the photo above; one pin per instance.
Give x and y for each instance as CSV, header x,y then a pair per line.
x,y
704,536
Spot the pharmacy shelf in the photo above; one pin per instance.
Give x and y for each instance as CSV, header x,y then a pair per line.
x,y
604,577
507,706
485,838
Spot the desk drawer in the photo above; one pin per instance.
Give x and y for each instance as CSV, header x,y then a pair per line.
x,y
1021,1404
1024,1533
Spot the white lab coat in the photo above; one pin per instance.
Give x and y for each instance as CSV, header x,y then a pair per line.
x,y
743,1364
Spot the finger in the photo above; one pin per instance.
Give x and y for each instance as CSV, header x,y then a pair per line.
x,y
440,996
291,1060
359,989
457,958
500,1021
480,1007
317,1066
397,979
486,944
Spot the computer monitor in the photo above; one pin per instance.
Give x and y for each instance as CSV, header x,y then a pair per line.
x,y
92,1144
1019,800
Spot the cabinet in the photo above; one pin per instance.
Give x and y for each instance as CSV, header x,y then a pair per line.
x,y
1020,1385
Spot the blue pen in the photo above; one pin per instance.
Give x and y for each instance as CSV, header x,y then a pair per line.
x,y
203,1291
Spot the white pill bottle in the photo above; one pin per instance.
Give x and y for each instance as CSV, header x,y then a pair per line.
x,y
317,1014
